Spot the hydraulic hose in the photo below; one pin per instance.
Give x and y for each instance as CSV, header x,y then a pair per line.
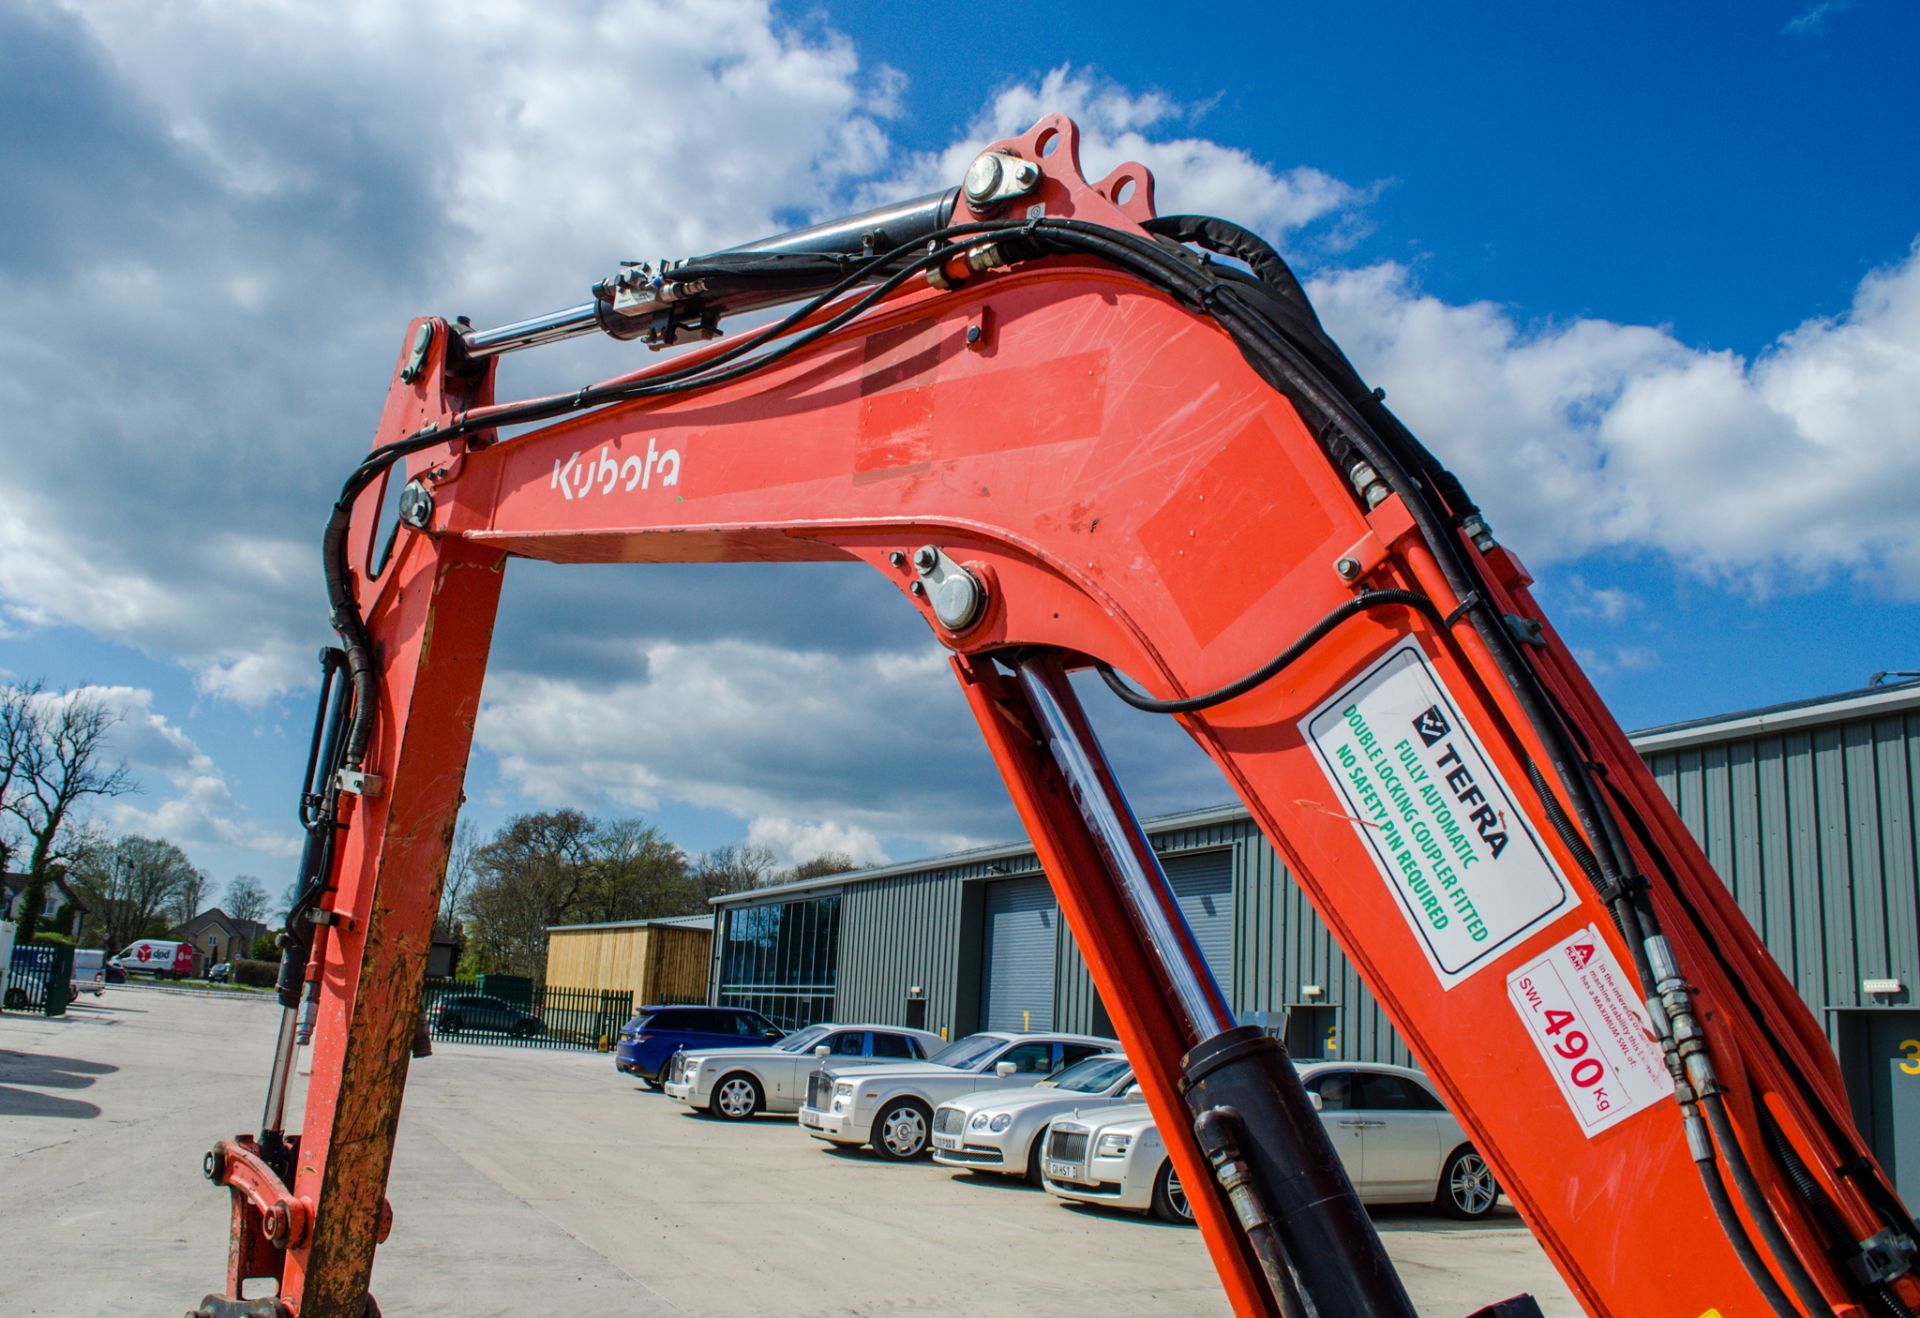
x,y
1715,1107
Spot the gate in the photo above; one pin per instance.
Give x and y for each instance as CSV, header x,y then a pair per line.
x,y
549,1018
39,979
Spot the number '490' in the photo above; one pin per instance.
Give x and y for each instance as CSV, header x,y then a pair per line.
x,y
1573,1046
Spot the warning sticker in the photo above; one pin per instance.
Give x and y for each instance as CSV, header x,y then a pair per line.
x,y
1591,1030
1443,830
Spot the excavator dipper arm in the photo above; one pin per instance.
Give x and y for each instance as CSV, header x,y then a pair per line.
x,y
1069,440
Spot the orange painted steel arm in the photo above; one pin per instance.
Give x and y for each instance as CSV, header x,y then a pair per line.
x,y
1130,492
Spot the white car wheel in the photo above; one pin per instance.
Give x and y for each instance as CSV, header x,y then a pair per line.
x,y
900,1132
1169,1198
1467,1188
736,1098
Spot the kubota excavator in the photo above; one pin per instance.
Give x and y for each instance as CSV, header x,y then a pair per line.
x,y
1074,434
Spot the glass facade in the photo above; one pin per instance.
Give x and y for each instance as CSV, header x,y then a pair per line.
x,y
782,959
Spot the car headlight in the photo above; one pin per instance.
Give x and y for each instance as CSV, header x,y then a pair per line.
x,y
843,1091
1113,1146
1000,1122
979,1121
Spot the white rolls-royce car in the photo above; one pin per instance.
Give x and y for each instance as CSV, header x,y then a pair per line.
x,y
738,1083
999,1130
1396,1139
891,1107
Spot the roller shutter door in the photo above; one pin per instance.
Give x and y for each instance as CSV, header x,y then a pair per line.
x,y
1203,885
1016,975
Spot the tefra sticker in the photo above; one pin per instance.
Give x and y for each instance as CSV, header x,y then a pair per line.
x,y
1591,1031
1469,874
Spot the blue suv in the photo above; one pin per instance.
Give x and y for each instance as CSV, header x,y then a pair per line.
x,y
649,1041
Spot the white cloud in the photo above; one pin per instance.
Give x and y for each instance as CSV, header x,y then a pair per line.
x,y
260,199
1588,435
197,806
861,745
795,841
1191,173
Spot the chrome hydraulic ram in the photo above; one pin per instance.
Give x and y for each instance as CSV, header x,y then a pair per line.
x,y
1256,1124
632,304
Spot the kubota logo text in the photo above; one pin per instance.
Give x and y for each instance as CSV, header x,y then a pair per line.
x,y
576,479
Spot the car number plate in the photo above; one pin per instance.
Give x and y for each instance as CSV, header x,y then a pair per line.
x,y
1062,1171
946,1141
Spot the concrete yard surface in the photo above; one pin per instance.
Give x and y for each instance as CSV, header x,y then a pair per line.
x,y
530,1181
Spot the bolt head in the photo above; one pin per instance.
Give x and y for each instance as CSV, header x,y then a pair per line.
x,y
958,601
416,505
1348,568
917,589
897,558
983,177
926,559
973,334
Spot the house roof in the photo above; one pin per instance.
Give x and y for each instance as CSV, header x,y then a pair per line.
x,y
235,927
17,884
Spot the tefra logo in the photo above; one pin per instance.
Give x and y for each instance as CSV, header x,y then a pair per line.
x,y
1432,726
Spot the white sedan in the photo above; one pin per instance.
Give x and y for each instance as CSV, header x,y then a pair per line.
x,y
891,1107
1397,1141
738,1083
999,1131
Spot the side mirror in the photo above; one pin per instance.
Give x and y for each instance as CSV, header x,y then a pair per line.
x,y
772,1033
1004,1069
1315,1099
822,1052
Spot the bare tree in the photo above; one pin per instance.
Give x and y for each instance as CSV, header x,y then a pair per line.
x,y
132,884
190,897
831,862
17,729
731,869
245,899
459,874
61,762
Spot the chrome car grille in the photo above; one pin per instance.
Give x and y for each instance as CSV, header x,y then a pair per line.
x,y
819,1090
1067,1145
948,1121
678,1070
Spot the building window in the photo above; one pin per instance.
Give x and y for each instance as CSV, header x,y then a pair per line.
x,y
782,959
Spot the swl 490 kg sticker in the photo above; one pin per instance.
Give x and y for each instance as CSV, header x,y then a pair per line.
x,y
1436,818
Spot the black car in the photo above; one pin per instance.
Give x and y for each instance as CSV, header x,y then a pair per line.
x,y
482,1013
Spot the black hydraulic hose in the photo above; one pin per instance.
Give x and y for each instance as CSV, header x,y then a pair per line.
x,y
1370,599
1555,730
1742,1243
1714,1105
718,369
1824,1210
1295,375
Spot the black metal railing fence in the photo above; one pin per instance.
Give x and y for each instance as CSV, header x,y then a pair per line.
x,y
547,1016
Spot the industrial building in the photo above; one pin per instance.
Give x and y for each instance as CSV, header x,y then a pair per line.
x,y
1807,811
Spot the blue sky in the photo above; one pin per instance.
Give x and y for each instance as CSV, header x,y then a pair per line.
x,y
1645,274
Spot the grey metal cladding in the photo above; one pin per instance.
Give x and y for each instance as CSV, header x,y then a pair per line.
x,y
1813,831
1022,936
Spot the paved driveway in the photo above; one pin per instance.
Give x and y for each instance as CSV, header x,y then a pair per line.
x,y
533,1182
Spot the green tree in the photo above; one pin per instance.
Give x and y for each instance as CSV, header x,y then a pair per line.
x,y
634,873
527,878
